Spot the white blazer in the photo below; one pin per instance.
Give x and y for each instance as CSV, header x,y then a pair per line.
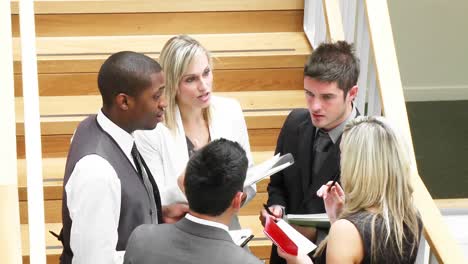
x,y
166,154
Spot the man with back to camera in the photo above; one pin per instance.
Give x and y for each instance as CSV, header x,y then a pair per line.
x,y
313,135
213,184
108,190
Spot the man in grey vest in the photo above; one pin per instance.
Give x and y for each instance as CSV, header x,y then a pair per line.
x,y
213,184
108,189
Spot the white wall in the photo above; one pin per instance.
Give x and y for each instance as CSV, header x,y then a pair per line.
x,y
431,38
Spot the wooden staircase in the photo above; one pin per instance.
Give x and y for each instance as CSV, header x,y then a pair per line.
x,y
259,50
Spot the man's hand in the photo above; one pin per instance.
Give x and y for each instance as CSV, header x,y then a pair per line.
x,y
174,212
276,210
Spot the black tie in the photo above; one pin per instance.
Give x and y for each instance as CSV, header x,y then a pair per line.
x,y
322,144
152,189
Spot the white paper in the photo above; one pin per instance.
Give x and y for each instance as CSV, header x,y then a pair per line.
x,y
263,170
239,236
316,217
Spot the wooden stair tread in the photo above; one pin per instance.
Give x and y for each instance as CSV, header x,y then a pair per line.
x,y
460,203
129,6
56,54
53,171
149,23
225,80
61,114
262,136
53,208
53,246
236,43
260,246
83,105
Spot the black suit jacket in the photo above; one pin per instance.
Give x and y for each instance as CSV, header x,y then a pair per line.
x,y
295,187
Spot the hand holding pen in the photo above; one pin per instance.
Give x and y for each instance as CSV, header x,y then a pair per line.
x,y
333,197
274,211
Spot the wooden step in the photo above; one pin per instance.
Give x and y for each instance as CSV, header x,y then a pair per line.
x,y
53,246
53,208
61,114
264,112
57,145
53,170
155,23
460,203
260,245
230,51
144,6
53,84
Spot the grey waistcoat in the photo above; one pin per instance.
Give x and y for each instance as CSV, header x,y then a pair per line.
x,y
135,208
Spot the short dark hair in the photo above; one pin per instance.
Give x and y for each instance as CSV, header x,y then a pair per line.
x,y
334,62
125,72
214,175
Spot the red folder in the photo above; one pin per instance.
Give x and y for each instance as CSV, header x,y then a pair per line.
x,y
279,237
287,238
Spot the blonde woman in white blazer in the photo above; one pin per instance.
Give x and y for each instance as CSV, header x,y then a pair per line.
x,y
193,118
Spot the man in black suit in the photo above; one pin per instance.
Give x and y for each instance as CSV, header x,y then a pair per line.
x,y
313,135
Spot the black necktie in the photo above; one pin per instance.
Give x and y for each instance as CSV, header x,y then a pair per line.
x,y
322,144
153,193
322,141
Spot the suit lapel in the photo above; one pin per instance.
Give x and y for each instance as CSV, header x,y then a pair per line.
x,y
306,135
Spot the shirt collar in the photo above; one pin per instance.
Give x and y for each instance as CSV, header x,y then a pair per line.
x,y
121,137
336,132
206,222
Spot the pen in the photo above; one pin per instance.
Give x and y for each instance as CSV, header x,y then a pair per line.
x,y
268,210
335,178
246,241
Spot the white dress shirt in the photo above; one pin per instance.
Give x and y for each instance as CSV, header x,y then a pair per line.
x,y
206,222
93,200
166,153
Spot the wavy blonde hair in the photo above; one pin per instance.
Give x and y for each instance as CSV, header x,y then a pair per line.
x,y
176,56
376,177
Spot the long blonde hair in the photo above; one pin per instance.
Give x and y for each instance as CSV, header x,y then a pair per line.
x,y
375,174
176,56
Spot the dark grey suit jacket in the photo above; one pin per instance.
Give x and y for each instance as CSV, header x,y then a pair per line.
x,y
182,243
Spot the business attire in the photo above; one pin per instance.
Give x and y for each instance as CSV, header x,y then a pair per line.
x,y
190,241
166,153
295,187
104,195
387,253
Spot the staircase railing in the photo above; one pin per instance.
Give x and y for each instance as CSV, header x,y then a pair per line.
x,y
32,133
10,238
367,24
